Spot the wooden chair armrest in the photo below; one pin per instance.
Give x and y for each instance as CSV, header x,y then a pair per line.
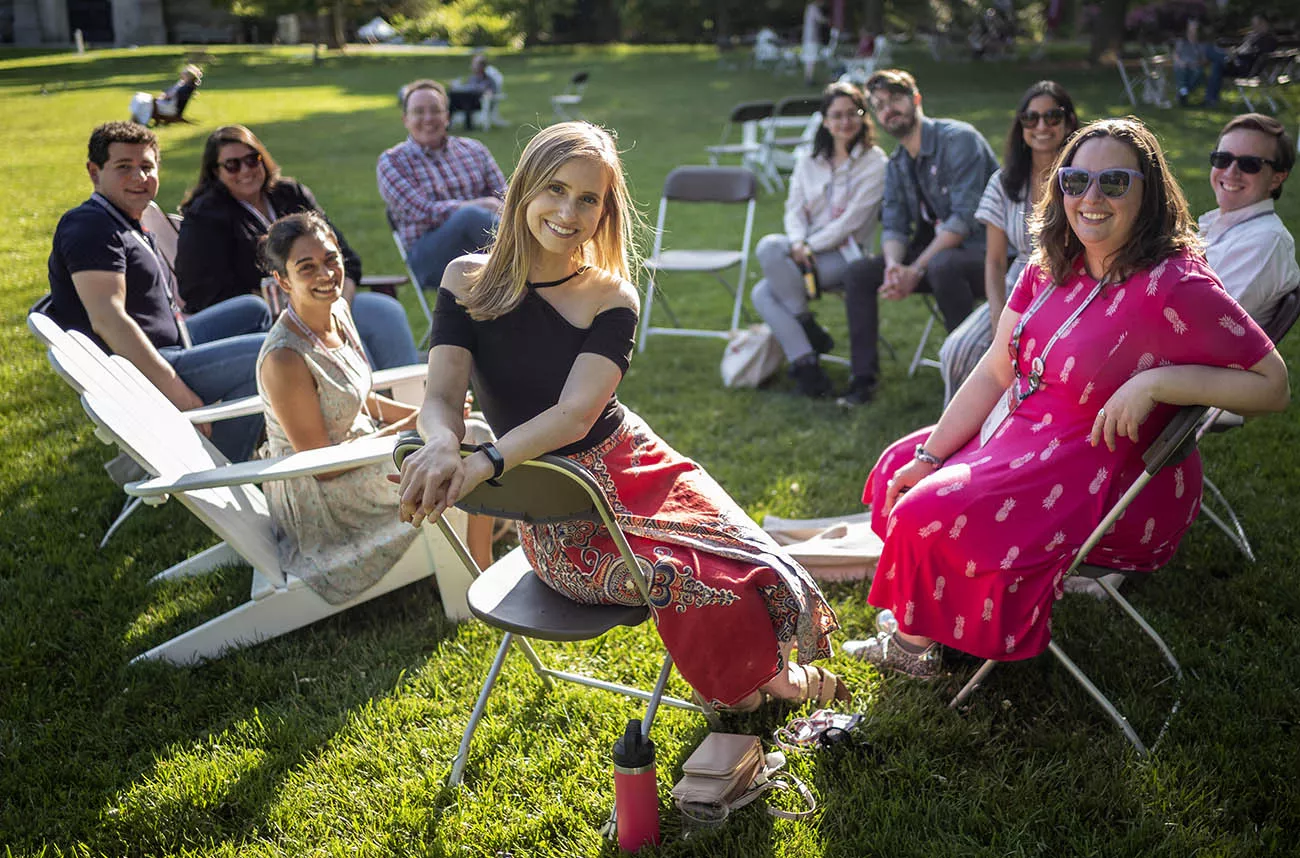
x,y
365,451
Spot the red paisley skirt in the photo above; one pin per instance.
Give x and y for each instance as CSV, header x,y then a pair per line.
x,y
727,599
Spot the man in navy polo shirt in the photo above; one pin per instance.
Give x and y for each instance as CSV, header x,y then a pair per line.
x,y
108,280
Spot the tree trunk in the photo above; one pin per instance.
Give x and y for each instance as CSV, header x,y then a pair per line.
x,y
873,16
1108,29
722,24
532,24
338,38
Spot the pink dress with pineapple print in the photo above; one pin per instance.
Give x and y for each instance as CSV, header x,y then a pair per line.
x,y
975,554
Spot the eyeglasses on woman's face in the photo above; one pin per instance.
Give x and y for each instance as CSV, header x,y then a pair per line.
x,y
1113,182
234,165
1248,164
1053,117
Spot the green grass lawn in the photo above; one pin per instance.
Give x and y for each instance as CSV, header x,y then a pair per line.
x,y
337,740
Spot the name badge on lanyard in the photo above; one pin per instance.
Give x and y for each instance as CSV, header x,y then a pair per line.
x,y
1011,400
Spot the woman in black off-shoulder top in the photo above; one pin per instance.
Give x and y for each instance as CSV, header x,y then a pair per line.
x,y
544,324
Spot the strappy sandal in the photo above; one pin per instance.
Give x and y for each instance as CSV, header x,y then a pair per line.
x,y
820,686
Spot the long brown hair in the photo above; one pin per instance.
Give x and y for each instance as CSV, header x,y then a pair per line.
x,y
500,285
208,167
823,143
1164,225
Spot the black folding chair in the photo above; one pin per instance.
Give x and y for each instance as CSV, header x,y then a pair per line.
x,y
509,596
1172,446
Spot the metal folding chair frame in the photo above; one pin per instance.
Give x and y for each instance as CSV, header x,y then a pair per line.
x,y
1174,444
654,264
577,497
415,281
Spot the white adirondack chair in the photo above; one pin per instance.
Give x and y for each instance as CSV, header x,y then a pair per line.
x,y
130,412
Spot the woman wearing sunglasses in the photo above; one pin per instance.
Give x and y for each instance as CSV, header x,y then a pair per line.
x,y
1043,122
1116,320
239,194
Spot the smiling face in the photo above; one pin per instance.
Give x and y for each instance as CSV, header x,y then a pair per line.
x,y
1234,189
246,184
426,118
313,272
843,121
129,177
895,111
1104,224
1042,138
569,208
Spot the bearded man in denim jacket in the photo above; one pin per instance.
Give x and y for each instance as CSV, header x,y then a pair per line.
x,y
930,241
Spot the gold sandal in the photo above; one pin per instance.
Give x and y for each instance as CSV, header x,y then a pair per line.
x,y
821,686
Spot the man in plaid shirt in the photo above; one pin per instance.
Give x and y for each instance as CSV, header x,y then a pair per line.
x,y
443,193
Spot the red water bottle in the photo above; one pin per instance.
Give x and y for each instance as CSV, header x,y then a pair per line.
x,y
636,792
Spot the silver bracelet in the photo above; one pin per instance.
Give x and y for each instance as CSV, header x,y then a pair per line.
x,y
923,455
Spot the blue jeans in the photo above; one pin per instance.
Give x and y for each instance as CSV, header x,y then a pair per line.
x,y
222,365
385,332
467,230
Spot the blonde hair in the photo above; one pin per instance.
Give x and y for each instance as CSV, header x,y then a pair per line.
x,y
500,285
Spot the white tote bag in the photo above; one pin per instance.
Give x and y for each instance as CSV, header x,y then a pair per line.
x,y
752,355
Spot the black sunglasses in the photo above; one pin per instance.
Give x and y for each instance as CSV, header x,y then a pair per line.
x,y
1053,117
234,165
1249,164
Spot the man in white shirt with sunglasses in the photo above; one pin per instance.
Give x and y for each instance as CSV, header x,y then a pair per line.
x,y
1246,242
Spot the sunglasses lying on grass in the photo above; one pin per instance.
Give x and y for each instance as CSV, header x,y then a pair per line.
x,y
1113,182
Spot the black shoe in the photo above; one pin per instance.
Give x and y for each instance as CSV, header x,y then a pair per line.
x,y
818,337
860,392
811,378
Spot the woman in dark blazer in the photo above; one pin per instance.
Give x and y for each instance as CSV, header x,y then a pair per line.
x,y
239,194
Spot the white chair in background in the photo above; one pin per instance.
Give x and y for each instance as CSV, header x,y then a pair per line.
x,y
717,185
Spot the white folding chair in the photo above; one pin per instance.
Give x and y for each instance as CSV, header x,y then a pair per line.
x,y
718,185
791,127
748,116
415,281
565,104
509,596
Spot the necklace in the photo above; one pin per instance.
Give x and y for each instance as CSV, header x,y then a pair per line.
x,y
531,285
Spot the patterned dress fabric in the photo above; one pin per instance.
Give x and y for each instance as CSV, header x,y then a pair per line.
x,y
341,535
975,554
725,595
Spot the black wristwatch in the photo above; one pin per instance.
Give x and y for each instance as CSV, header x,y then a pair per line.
x,y
498,462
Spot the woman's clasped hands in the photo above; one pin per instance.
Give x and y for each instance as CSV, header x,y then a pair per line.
x,y
434,477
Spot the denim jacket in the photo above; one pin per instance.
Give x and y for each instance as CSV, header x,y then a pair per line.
x,y
953,166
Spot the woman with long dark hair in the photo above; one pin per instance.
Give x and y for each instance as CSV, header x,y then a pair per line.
x,y
831,210
1044,120
238,195
544,322
1116,320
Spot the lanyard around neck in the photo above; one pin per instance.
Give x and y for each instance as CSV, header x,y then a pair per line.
x,y
1039,364
261,215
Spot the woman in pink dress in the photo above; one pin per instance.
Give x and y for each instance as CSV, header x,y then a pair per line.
x,y
1116,320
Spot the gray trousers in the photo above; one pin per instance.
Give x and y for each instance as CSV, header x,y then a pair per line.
x,y
780,296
